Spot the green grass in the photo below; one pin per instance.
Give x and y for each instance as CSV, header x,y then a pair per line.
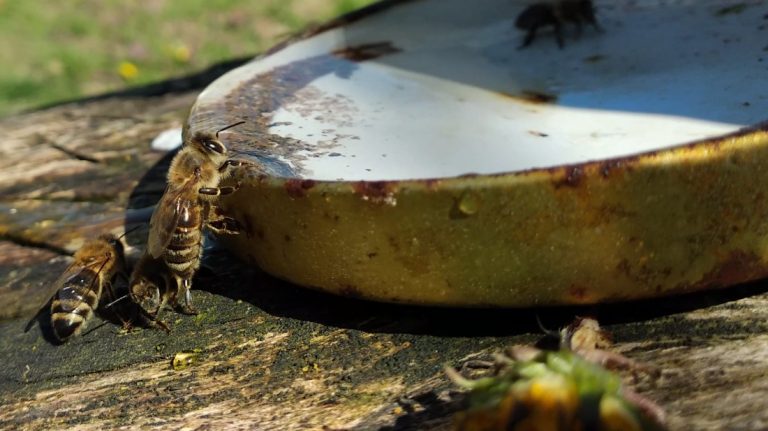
x,y
60,50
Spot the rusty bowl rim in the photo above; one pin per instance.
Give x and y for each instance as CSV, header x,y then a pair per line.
x,y
560,175
568,175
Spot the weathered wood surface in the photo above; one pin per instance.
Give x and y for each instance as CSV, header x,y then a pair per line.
x,y
275,356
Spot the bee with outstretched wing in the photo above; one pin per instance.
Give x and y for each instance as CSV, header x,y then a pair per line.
x,y
78,291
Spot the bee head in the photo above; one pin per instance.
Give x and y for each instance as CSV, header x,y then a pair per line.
x,y
117,249
114,242
208,148
212,146
146,295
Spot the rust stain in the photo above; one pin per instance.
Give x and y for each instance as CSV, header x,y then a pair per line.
x,y
625,268
350,291
394,243
256,99
537,97
432,184
639,272
572,177
367,51
578,294
629,162
610,166
575,174
297,188
379,192
530,96
333,217
738,267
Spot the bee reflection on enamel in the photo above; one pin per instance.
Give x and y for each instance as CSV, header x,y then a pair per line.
x,y
556,14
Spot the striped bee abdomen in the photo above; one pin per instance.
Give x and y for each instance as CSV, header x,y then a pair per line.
x,y
74,304
183,252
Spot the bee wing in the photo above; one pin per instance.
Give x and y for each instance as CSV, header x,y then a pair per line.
x,y
72,270
166,217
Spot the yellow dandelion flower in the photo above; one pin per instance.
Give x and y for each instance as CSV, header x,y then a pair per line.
x,y
127,70
181,53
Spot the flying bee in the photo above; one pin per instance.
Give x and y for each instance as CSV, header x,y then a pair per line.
x,y
556,14
187,205
547,390
79,289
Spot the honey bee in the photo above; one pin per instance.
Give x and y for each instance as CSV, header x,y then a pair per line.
x,y
556,14
79,289
176,227
546,390
149,289
585,338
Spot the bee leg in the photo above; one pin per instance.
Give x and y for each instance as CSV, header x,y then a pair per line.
x,y
559,35
529,37
155,321
218,191
162,325
230,163
146,319
224,225
219,223
158,324
126,326
184,297
579,29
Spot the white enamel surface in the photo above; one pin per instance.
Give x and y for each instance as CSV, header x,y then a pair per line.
x,y
448,103
167,140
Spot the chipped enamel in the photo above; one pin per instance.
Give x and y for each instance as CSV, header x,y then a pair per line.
x,y
453,100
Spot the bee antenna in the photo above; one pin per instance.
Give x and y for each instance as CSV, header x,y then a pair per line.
x,y
229,127
544,329
116,301
93,329
128,231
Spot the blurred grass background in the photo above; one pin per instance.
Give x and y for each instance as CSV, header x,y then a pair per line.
x,y
59,50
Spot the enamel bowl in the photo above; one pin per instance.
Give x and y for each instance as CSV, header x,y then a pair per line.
x,y
411,152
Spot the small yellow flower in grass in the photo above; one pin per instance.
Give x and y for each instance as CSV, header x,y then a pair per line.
x,y
181,53
127,70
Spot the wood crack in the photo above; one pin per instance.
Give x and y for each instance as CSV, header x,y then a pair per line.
x,y
26,242
74,154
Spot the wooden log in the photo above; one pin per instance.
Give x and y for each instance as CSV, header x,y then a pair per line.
x,y
275,356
